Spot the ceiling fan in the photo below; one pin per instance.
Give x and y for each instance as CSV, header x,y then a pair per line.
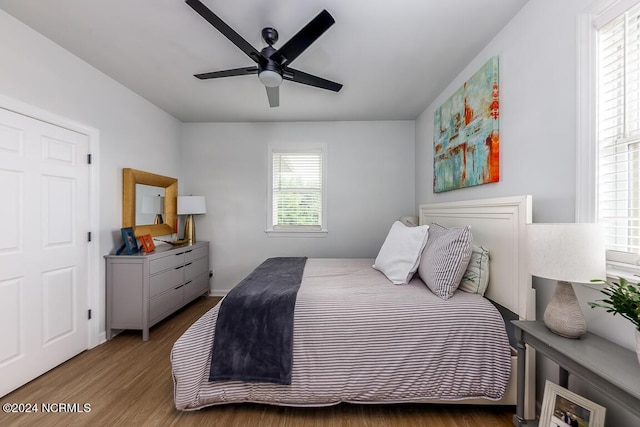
x,y
272,64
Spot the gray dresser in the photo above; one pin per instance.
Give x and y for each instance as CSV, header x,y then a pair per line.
x,y
143,289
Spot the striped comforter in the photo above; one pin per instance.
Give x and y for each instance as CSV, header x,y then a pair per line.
x,y
359,338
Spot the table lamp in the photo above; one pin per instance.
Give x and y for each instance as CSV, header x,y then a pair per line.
x,y
158,206
153,205
568,253
191,205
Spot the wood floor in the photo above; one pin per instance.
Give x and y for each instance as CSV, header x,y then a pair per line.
x,y
128,382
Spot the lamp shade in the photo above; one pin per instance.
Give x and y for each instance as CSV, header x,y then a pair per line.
x,y
569,252
147,206
188,205
152,205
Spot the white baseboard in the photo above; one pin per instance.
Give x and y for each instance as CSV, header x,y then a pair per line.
x,y
218,292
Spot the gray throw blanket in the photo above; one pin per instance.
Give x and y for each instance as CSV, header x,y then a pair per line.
x,y
254,332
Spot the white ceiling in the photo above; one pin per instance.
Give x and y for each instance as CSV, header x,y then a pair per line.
x,y
393,57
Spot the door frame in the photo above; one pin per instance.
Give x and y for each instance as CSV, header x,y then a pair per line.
x,y
95,336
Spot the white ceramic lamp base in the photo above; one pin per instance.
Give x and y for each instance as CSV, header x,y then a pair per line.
x,y
563,315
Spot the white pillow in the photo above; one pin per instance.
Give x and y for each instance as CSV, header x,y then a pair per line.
x,y
476,279
400,253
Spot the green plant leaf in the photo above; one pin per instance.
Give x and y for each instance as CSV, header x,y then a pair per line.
x,y
623,298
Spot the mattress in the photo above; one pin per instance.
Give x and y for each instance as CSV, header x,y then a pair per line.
x,y
360,339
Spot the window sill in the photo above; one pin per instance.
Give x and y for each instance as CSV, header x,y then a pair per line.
x,y
627,271
296,233
616,270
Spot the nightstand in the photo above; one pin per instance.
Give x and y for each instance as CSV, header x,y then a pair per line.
x,y
602,364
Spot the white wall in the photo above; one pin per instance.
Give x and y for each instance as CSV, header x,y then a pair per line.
x,y
537,51
370,184
132,132
537,112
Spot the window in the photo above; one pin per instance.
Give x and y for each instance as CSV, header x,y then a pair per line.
x,y
612,70
618,133
297,189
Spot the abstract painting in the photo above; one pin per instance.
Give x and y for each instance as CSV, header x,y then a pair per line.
x,y
466,143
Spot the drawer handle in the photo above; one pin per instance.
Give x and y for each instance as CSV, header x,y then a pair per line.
x,y
178,287
190,250
187,283
179,253
188,264
178,268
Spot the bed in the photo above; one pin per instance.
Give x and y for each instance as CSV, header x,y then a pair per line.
x,y
359,338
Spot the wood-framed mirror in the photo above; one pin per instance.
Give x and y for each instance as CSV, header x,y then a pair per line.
x,y
167,189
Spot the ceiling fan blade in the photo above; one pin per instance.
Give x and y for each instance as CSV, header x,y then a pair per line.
x,y
226,30
303,39
273,93
311,80
227,73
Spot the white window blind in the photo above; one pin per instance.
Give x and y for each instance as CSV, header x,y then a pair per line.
x,y
297,192
618,134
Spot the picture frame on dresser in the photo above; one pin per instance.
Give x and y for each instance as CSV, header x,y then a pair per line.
x,y
564,408
147,244
130,242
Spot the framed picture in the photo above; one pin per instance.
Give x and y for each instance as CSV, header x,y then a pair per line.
x,y
466,133
147,243
564,408
130,242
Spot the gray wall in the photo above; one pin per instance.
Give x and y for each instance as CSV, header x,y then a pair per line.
x,y
538,98
370,184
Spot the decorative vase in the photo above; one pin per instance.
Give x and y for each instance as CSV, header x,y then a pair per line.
x,y
638,344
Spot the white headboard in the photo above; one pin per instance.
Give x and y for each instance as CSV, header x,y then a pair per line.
x,y
500,226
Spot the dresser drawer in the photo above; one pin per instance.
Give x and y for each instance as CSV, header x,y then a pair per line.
x,y
166,280
196,287
170,261
195,268
193,254
165,303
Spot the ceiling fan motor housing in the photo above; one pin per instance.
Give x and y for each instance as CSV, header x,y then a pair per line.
x,y
269,71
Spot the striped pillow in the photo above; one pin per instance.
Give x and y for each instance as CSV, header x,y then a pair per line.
x,y
476,279
445,259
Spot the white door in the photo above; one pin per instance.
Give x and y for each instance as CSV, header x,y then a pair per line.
x,y
44,221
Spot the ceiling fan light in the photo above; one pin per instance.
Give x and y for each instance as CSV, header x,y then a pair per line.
x,y
270,78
